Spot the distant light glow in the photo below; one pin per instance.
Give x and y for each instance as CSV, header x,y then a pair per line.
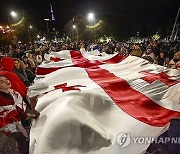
x,y
96,25
19,23
14,14
30,27
74,26
90,16
46,19
156,37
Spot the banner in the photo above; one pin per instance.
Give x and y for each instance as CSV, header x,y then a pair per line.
x,y
97,103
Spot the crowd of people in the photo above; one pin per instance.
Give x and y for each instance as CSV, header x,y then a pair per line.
x,y
18,65
30,55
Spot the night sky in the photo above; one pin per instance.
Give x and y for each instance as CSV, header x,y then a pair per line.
x,y
125,17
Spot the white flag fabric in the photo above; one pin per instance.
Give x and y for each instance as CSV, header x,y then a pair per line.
x,y
96,103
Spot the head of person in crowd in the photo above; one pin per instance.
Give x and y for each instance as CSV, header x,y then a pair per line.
x,y
22,65
63,47
136,51
127,52
133,47
31,60
137,46
148,50
175,62
20,70
166,62
5,84
25,59
161,58
29,55
161,55
7,66
16,64
116,49
176,57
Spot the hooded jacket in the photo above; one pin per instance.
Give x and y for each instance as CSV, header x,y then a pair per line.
x,y
7,65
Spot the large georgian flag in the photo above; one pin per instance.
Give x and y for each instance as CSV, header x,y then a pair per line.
x,y
87,100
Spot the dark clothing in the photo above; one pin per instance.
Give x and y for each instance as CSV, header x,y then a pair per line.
x,y
23,76
169,147
22,142
30,75
161,61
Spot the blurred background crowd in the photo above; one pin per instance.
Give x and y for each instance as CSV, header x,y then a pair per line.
x,y
28,56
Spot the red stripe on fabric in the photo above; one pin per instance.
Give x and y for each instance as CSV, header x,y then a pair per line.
x,y
128,99
56,59
84,63
11,117
44,71
116,59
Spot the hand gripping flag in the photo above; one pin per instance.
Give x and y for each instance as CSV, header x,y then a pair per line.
x,y
91,103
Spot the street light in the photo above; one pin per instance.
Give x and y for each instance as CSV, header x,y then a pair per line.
x,y
91,17
47,20
47,24
75,28
13,14
30,27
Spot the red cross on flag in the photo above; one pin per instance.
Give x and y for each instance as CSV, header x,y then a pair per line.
x,y
117,95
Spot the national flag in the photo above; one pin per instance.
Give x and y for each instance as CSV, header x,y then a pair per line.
x,y
87,100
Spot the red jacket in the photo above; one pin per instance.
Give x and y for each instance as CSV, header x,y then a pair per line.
x,y
11,112
7,65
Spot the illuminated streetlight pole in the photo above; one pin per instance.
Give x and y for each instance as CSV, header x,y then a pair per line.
x,y
91,18
13,14
75,28
30,27
47,20
47,24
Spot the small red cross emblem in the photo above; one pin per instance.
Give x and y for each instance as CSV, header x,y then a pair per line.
x,y
151,77
65,88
